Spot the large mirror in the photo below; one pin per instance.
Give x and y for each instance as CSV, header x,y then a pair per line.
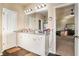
x,y
38,20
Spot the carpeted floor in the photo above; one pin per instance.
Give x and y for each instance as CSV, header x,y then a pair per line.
x,y
65,46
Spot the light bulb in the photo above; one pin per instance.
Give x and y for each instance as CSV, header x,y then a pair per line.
x,y
30,9
39,6
43,5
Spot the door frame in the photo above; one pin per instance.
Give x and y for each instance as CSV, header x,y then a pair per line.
x,y
76,46
76,29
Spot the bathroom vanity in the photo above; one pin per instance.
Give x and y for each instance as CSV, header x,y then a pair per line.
x,y
36,43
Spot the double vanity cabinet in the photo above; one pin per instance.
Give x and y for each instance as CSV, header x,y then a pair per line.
x,y
36,43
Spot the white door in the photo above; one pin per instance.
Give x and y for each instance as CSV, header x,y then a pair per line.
x,y
9,19
77,29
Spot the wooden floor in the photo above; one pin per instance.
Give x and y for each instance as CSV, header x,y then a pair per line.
x,y
17,51
65,46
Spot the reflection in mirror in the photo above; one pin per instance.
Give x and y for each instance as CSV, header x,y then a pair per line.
x,y
37,21
39,24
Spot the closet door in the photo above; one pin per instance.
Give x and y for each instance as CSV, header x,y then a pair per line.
x,y
9,19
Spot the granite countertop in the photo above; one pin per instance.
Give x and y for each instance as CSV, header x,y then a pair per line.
x,y
29,32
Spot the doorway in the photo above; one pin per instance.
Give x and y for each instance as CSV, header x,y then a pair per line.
x,y
65,30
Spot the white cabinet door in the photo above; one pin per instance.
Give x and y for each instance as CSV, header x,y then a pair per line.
x,y
28,42
39,45
20,38
25,41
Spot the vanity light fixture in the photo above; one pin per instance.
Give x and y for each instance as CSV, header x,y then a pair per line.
x,y
37,7
30,9
43,5
40,6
